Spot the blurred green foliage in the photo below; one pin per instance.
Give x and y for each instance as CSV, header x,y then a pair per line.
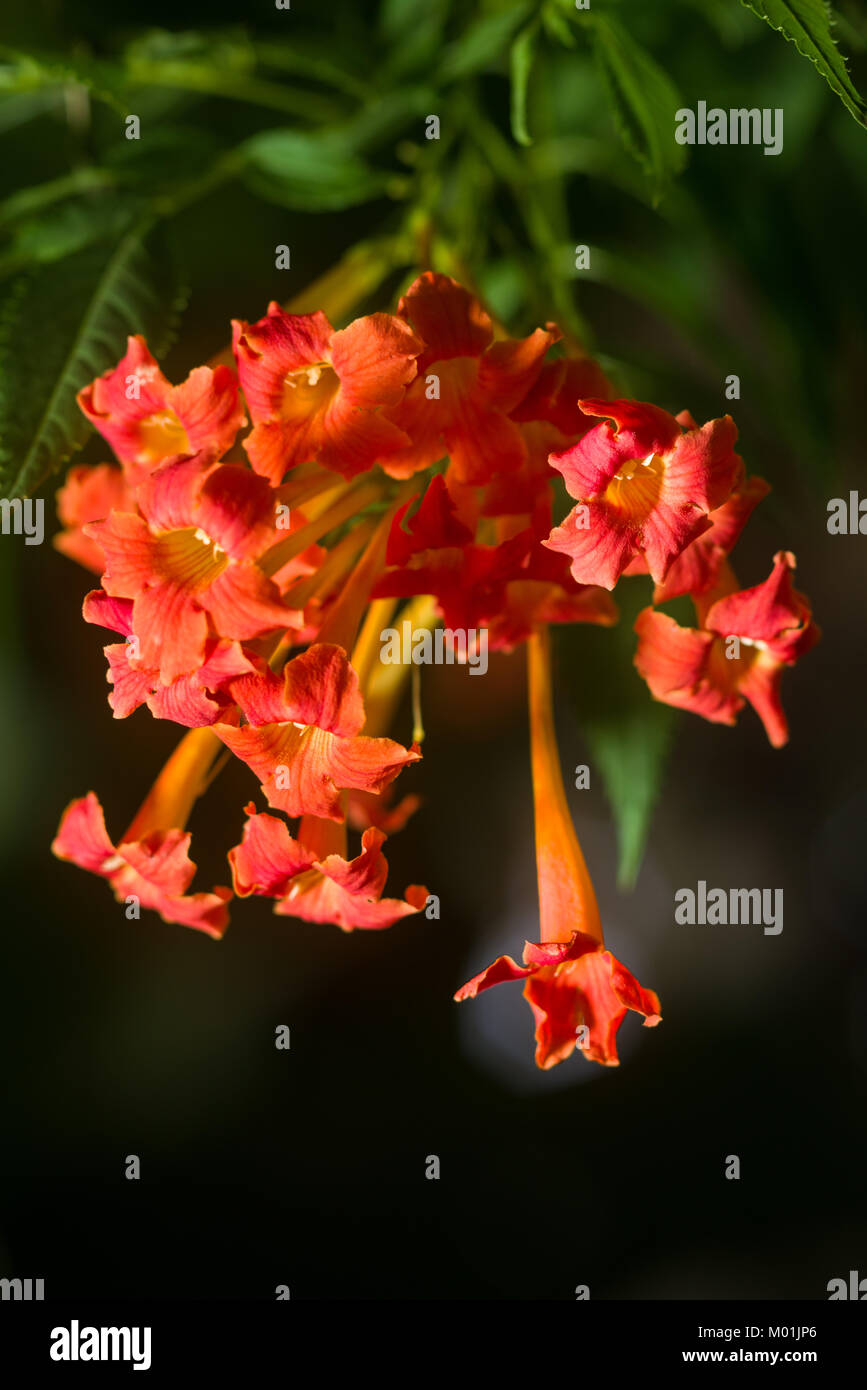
x,y
310,126
556,126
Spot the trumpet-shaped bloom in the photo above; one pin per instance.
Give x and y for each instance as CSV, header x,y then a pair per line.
x,y
435,554
467,385
738,654
578,992
303,736
549,418
190,564
468,582
193,701
146,420
317,887
318,394
90,494
645,487
509,587
155,868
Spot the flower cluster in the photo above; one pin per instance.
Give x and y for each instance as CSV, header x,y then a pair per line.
x,y
406,465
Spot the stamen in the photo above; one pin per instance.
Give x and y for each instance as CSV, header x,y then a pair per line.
x,y
310,374
206,540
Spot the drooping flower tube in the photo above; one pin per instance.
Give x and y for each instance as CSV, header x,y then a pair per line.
x,y
578,991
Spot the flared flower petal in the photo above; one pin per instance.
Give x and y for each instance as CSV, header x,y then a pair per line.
x,y
364,809
434,526
90,493
591,991
155,869
190,564
579,994
271,863
434,553
554,398
193,701
318,394
543,593
467,385
738,655
507,588
302,740
550,419
645,487
773,615
469,584
146,420
697,569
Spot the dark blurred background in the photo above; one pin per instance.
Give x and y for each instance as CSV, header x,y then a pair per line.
x,y
307,1167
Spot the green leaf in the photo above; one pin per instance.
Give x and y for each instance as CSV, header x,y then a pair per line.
x,y
521,63
186,54
22,73
33,199
173,153
632,756
385,119
412,31
61,231
221,65
628,733
59,330
309,173
483,42
308,62
643,100
807,24
556,25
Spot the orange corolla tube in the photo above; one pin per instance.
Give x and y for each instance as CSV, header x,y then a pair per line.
x,y
578,992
